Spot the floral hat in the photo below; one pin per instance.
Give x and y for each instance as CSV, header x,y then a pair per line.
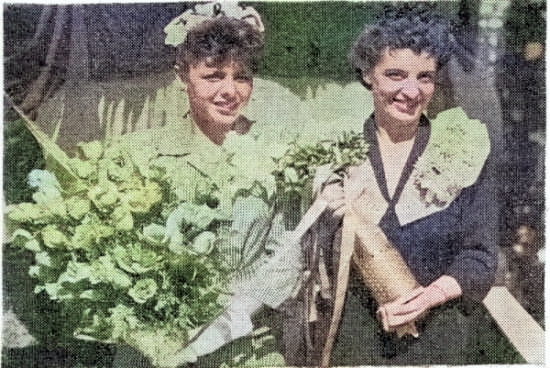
x,y
177,29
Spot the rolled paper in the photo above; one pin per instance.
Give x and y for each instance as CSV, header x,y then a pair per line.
x,y
383,269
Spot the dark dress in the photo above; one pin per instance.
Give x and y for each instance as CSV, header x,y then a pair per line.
x,y
459,241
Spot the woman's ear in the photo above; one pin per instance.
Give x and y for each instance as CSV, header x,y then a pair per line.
x,y
367,79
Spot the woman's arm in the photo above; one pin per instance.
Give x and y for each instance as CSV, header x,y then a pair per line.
x,y
474,267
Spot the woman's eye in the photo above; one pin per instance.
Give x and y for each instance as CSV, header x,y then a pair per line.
x,y
243,78
395,75
426,78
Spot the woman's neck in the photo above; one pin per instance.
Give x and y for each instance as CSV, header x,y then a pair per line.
x,y
215,134
396,132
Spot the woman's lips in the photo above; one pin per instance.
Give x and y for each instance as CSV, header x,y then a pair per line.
x,y
227,108
405,107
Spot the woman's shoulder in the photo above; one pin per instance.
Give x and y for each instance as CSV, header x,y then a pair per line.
x,y
171,139
278,113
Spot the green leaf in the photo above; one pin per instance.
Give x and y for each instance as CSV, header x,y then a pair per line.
x,y
143,290
135,259
268,360
104,270
154,233
54,290
46,184
52,237
140,197
204,242
196,218
22,238
123,319
34,271
122,219
75,272
28,213
84,169
117,164
159,345
91,150
77,207
44,259
104,196
33,245
57,160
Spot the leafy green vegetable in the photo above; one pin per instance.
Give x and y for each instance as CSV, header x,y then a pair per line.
x,y
143,290
133,264
103,249
302,163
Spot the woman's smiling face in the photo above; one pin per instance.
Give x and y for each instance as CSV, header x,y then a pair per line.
x,y
217,95
402,83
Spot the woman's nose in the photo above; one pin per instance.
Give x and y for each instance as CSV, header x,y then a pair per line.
x,y
228,87
411,89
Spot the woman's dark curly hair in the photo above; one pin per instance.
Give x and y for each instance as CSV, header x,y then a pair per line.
x,y
406,27
219,40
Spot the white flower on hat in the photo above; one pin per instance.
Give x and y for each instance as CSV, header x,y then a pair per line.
x,y
176,31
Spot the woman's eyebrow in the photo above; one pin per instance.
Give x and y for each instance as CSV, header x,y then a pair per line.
x,y
214,73
427,73
394,70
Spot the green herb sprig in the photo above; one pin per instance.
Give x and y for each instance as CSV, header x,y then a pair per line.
x,y
298,167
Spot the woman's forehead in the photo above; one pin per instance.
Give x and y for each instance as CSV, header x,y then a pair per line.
x,y
221,63
407,58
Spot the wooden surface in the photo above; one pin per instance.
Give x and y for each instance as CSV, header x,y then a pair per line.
x,y
519,327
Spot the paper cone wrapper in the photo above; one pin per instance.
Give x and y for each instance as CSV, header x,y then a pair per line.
x,y
382,268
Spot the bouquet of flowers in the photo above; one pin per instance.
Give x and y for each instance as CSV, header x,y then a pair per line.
x,y
303,168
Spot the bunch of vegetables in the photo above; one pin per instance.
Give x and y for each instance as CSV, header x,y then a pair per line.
x,y
298,166
305,166
117,249
112,243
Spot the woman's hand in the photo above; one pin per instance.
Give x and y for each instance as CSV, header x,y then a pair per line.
x,y
414,304
232,324
333,193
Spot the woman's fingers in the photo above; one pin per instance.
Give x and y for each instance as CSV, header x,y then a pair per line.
x,y
333,193
404,309
393,318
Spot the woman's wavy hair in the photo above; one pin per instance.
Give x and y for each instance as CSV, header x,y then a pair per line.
x,y
406,27
220,40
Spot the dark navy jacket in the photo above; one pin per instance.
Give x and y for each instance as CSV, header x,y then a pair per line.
x,y
460,241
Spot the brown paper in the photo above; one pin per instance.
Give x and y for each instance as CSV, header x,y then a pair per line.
x,y
383,270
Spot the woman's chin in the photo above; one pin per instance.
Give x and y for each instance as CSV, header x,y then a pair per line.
x,y
224,122
406,118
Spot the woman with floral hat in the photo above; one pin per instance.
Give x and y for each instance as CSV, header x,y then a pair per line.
x,y
218,49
